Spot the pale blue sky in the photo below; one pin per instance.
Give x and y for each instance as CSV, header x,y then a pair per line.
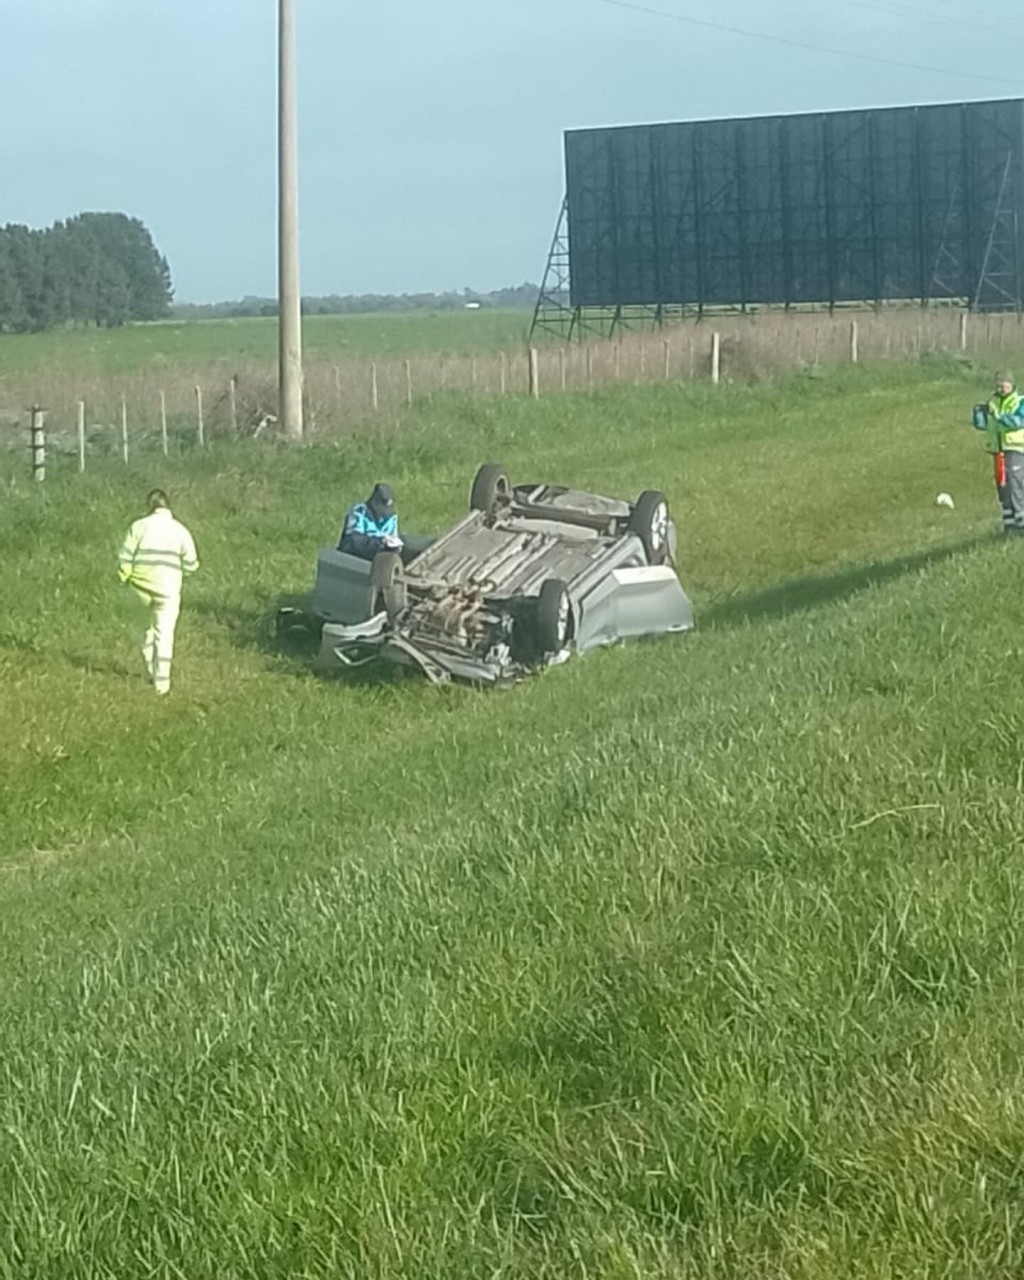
x,y
431,130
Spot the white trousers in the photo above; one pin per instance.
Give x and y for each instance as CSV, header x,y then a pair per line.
x,y
158,642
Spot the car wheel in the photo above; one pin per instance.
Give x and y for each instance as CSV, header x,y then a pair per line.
x,y
490,488
388,581
554,616
649,521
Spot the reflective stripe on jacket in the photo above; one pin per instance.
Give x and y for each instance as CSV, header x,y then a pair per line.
x,y
155,553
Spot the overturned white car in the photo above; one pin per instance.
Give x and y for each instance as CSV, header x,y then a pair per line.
x,y
533,574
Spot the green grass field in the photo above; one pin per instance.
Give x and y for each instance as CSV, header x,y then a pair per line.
x,y
108,352
694,958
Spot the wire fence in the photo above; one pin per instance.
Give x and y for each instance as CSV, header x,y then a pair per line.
x,y
85,418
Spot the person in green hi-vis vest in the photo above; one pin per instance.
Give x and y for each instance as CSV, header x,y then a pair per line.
x,y
1002,420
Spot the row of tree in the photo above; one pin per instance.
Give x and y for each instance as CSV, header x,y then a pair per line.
x,y
93,269
522,296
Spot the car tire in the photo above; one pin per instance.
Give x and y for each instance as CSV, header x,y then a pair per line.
x,y
649,520
388,582
554,616
490,487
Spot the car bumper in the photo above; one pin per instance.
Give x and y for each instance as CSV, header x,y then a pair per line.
x,y
349,647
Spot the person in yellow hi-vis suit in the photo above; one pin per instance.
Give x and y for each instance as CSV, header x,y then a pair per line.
x,y
157,551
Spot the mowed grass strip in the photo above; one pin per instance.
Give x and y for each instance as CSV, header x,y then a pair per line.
x,y
698,957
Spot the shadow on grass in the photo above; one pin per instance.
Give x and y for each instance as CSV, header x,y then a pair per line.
x,y
255,629
48,649
815,591
291,653
93,665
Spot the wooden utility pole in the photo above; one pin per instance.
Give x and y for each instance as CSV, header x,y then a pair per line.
x,y
289,304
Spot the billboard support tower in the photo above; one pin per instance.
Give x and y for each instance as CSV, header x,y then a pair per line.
x,y
948,268
999,282
554,312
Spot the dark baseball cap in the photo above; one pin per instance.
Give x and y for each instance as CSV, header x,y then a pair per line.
x,y
383,497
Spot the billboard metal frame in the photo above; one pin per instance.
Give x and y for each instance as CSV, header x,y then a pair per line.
x,y
889,205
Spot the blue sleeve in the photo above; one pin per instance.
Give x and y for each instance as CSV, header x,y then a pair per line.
x,y
1013,420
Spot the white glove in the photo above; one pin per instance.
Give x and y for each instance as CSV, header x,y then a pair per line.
x,y
393,542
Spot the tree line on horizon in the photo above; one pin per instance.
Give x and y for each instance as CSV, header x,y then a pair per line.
x,y
518,296
94,269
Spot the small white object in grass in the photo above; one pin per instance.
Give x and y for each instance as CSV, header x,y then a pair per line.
x,y
944,500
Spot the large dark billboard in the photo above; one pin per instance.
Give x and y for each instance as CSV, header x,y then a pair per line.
x,y
901,202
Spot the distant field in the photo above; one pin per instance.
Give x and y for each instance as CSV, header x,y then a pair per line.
x,y
148,346
368,369
698,959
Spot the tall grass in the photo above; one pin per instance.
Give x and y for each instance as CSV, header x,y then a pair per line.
x,y
156,371
694,958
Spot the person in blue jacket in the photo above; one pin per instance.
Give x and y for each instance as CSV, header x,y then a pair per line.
x,y
371,526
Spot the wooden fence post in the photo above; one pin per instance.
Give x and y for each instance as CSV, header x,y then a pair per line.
x,y
854,343
201,428
337,385
124,429
534,373
163,422
963,330
408,382
716,358
37,443
374,397
233,403
81,436
590,367
668,358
